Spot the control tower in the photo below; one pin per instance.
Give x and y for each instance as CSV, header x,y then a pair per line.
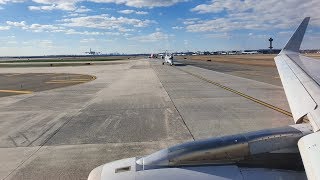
x,y
270,47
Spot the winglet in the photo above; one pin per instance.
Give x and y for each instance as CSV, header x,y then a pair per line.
x,y
295,41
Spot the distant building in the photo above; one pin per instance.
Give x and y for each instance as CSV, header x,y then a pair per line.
x,y
269,51
250,52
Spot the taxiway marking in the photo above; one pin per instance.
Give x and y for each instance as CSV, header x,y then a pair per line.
x,y
15,91
73,79
242,94
64,82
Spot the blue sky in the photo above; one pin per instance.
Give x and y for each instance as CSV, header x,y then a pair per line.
x,y
48,27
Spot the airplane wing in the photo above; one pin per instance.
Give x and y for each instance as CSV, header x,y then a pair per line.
x,y
300,77
301,82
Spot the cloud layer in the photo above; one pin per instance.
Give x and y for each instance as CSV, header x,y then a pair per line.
x,y
253,14
70,5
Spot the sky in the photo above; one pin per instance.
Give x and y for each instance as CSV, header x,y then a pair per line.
x,y
58,27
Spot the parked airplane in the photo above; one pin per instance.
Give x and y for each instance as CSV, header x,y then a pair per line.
x,y
265,154
93,52
168,58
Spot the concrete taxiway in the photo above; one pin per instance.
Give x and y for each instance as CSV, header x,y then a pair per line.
x,y
26,83
130,109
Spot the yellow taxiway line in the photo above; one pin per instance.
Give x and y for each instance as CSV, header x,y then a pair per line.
x,y
15,91
69,75
73,79
64,82
243,95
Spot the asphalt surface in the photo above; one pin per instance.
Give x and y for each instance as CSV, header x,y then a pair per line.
x,y
260,73
131,109
26,83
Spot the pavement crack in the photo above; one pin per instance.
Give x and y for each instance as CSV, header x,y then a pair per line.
x,y
32,154
184,122
14,142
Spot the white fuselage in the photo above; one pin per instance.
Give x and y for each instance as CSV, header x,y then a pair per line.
x,y
169,59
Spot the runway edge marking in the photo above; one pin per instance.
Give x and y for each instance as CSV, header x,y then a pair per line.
x,y
270,106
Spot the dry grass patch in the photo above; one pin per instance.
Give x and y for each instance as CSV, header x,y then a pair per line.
x,y
254,60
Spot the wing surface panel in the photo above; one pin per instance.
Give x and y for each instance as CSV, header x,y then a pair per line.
x,y
300,101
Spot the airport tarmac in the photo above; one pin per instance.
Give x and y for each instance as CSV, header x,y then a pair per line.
x,y
26,83
268,74
130,109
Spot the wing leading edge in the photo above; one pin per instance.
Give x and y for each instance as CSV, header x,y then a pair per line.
x,y
300,77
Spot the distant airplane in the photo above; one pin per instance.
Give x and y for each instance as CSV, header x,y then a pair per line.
x,y
92,52
168,58
265,154
153,56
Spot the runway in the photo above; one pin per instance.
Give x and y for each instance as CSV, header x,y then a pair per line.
x,y
129,109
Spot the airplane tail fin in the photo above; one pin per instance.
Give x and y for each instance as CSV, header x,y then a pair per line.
x,y
295,41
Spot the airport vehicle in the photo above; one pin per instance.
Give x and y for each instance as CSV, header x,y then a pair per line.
x,y
168,58
265,154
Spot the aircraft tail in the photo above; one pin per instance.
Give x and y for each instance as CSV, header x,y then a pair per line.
x,y
295,41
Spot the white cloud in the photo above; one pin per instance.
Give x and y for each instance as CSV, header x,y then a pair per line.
x,y
130,11
11,1
61,6
286,33
191,21
87,40
17,24
70,5
3,28
221,5
254,15
35,27
43,28
73,15
153,37
67,5
141,12
106,22
142,3
50,28
82,9
218,36
38,8
72,31
177,27
127,11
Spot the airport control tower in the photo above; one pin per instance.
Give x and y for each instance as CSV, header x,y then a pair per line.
x,y
270,47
